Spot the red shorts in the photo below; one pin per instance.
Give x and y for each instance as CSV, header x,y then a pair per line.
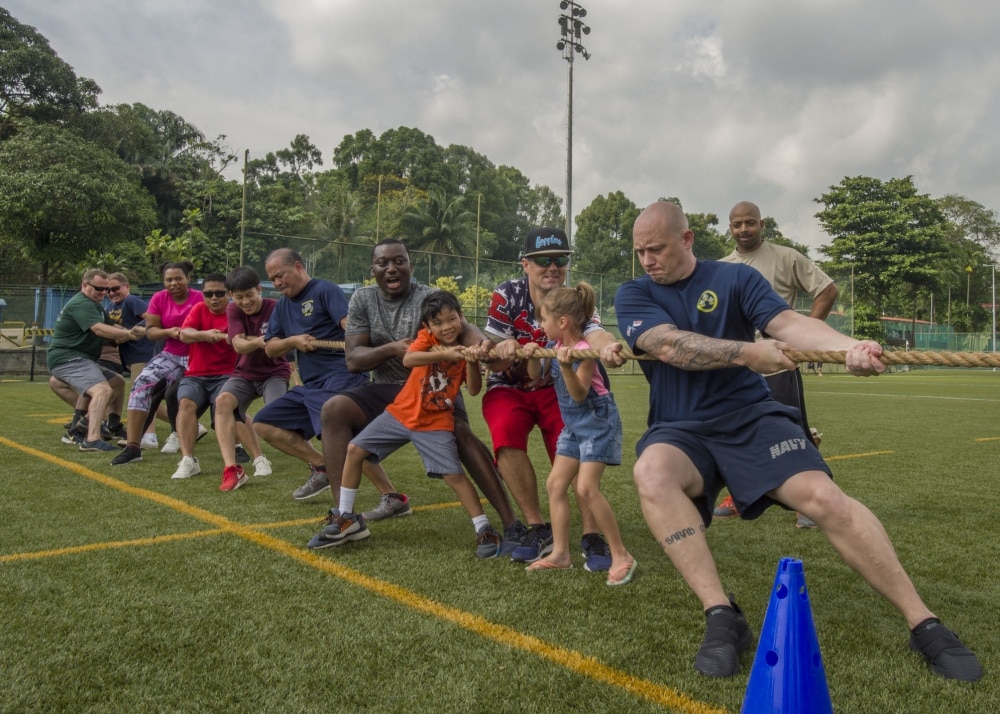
x,y
512,413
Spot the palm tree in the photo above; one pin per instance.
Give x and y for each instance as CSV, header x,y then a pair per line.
x,y
338,219
439,225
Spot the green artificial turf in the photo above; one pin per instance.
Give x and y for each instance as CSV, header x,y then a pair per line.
x,y
122,590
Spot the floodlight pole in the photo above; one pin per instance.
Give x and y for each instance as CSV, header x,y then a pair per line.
x,y
994,308
572,30
243,208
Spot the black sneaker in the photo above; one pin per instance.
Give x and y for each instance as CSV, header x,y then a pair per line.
x,y
127,456
944,652
513,536
117,431
726,635
242,457
537,544
596,552
71,437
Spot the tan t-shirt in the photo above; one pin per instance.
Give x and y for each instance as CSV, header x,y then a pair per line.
x,y
785,268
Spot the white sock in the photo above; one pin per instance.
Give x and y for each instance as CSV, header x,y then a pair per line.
x,y
347,496
479,521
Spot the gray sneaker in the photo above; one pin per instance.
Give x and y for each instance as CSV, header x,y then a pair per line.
x,y
339,529
390,505
487,542
315,485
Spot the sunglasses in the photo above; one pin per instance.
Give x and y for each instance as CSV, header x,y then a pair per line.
x,y
544,261
98,289
214,293
114,289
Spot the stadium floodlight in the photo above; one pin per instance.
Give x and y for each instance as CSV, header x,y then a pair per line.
x,y
572,29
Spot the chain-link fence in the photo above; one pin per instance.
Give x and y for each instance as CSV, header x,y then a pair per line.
x,y
348,264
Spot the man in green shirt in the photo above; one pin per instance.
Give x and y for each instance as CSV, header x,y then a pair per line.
x,y
79,334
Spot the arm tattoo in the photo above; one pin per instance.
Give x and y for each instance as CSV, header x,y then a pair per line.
x,y
689,350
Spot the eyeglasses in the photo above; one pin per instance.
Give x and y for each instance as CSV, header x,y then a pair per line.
x,y
544,261
114,288
213,293
97,288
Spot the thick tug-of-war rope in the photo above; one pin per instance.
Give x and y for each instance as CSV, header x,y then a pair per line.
x,y
930,359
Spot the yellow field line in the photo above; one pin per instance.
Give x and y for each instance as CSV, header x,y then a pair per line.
x,y
857,456
570,659
988,438
72,550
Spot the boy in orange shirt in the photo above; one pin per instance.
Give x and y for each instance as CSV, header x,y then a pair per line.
x,y
422,413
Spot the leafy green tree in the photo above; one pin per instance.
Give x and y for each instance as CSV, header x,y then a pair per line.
x,y
603,240
888,232
35,84
350,153
64,196
709,243
972,234
165,248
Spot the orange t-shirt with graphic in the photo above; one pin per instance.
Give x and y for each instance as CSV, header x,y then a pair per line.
x,y
427,400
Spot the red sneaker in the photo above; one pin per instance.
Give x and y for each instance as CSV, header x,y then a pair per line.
x,y
726,509
232,478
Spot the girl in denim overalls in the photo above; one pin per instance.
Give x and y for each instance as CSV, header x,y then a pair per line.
x,y
592,429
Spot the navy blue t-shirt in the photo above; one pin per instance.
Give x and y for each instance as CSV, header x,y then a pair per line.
x,y
316,311
720,300
129,313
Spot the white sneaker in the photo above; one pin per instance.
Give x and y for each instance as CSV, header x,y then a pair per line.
x,y
149,442
261,466
187,468
201,431
172,445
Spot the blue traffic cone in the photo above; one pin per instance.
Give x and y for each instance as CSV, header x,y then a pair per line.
x,y
787,674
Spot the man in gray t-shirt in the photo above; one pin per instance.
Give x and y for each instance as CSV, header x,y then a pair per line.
x,y
382,320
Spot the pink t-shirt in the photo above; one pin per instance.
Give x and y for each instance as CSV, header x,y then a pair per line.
x,y
172,315
597,381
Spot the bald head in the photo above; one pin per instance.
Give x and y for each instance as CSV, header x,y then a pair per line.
x,y
663,216
663,243
744,208
746,226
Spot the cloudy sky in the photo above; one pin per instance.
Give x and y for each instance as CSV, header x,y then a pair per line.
x,y
712,101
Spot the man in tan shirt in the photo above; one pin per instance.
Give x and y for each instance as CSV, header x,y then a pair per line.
x,y
789,272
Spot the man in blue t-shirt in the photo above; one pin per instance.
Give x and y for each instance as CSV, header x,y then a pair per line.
x,y
712,423
310,310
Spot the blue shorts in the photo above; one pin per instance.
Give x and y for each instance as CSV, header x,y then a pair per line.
x,y
300,408
592,431
750,451
438,449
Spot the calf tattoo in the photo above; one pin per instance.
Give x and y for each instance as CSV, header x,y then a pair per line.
x,y
681,535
